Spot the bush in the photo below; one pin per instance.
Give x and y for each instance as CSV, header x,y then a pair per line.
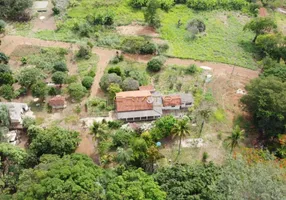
x,y
28,121
216,4
154,65
122,138
107,79
192,69
117,59
3,58
162,48
71,79
115,70
52,91
129,84
148,48
106,19
60,66
2,26
115,124
76,91
196,24
87,82
133,44
56,10
59,77
24,60
84,52
7,92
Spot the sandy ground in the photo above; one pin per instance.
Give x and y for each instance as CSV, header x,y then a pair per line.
x,y
137,30
45,20
263,12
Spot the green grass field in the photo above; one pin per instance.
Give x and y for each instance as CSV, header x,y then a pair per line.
x,y
224,40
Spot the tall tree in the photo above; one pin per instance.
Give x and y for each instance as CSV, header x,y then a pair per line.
x,y
54,140
39,89
181,130
12,160
260,26
234,139
29,76
266,100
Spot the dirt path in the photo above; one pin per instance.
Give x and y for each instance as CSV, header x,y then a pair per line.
x,y
263,12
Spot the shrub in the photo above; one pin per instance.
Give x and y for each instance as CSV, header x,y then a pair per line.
x,y
115,124
60,66
59,77
28,121
122,138
107,79
216,4
115,70
52,91
84,52
106,19
24,60
162,48
87,82
7,92
196,24
130,84
71,79
154,65
148,48
133,44
56,10
76,91
3,58
192,69
2,26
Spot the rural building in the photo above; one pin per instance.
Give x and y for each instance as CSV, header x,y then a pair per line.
x,y
57,102
147,104
16,113
40,6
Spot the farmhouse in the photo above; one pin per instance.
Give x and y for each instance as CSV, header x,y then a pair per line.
x,y
147,104
16,113
57,102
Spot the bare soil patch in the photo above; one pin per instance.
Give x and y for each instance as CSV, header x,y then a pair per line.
x,y
137,30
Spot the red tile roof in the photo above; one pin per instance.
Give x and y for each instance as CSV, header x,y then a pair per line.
x,y
173,100
147,87
57,101
133,101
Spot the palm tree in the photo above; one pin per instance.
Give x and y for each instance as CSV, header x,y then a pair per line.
x,y
124,156
234,139
181,130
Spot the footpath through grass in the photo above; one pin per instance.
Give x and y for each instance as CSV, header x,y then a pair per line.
x,y
225,41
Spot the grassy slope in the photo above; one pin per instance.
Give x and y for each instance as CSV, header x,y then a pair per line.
x,y
225,41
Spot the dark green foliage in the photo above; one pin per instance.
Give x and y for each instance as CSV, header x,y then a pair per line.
x,y
107,79
55,140
7,92
87,82
84,52
15,9
115,70
56,10
11,165
106,19
52,91
59,77
4,116
129,84
266,100
154,65
114,124
192,69
60,66
76,91
122,138
3,58
148,48
188,182
278,70
163,127
6,78
83,29
39,89
28,121
196,24
134,185
71,177
150,13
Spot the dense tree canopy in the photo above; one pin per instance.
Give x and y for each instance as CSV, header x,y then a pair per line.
x,y
134,185
4,116
14,9
129,84
266,100
188,182
55,140
76,91
71,177
107,79
39,89
29,76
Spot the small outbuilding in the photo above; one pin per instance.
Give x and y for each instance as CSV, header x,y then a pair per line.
x,y
57,102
